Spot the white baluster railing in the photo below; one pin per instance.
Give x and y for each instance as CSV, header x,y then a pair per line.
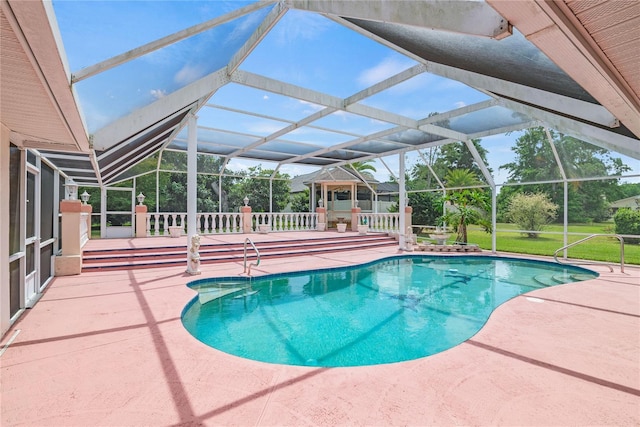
x,y
285,221
381,222
230,222
84,229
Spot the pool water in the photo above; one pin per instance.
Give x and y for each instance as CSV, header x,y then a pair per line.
x,y
392,310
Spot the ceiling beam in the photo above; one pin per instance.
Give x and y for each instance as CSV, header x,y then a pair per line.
x,y
373,136
460,16
263,29
309,119
147,116
107,64
562,104
583,131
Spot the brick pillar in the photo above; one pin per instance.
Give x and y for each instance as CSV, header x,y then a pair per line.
x,y
322,219
141,221
70,261
246,219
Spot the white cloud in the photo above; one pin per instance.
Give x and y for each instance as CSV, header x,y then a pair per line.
x,y
460,104
300,25
158,93
247,24
387,68
266,97
309,107
188,74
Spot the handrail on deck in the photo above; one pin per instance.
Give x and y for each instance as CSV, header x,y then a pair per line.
x,y
619,237
257,263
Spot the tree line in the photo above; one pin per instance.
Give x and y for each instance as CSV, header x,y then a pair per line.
x,y
451,164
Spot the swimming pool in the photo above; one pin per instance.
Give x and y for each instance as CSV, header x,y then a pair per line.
x,y
391,310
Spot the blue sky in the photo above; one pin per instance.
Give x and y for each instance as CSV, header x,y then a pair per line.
x,y
303,49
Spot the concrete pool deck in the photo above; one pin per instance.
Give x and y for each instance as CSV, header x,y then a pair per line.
x,y
108,348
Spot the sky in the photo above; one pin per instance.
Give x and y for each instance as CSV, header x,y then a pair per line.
x,y
303,49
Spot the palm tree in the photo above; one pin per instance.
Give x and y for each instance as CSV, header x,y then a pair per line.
x,y
470,204
363,168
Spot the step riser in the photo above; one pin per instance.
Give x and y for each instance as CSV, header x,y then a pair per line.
x,y
231,246
177,260
119,257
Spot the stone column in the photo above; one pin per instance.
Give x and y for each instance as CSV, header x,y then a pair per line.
x,y
246,219
322,218
354,218
408,210
141,221
410,240
70,262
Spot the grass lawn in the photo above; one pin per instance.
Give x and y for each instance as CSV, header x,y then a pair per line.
x,y
598,248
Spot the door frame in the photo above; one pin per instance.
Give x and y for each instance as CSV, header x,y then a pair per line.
x,y
31,279
111,231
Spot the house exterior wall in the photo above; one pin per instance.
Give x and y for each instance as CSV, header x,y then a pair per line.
x,y
4,230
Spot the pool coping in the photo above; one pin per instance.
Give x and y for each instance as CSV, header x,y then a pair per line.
x,y
108,348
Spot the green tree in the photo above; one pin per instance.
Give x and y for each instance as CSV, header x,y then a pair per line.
x,y
442,159
364,168
427,207
535,162
469,205
625,190
456,155
300,201
255,185
173,185
531,212
628,222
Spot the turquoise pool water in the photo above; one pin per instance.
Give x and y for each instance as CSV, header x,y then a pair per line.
x,y
392,310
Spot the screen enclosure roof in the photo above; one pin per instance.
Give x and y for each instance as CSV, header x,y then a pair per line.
x,y
97,87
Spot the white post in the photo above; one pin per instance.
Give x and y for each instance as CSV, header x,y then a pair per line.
x,y
565,219
402,203
270,195
494,222
193,257
103,212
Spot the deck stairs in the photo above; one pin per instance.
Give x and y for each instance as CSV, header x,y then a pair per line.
x,y
156,257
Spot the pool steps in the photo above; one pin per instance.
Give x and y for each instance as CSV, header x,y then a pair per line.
x,y
554,279
210,293
158,257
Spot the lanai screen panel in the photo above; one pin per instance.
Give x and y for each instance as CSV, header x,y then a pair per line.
x,y
354,124
332,64
116,92
424,95
261,102
312,51
513,58
476,122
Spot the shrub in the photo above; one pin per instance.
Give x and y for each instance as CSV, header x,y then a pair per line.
x,y
628,222
531,212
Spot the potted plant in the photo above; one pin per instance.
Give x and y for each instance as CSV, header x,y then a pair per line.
x,y
363,227
342,226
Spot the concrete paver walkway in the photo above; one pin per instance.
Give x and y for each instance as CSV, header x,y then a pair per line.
x,y
108,348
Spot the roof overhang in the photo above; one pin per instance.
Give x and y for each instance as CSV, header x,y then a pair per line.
x,y
37,101
580,46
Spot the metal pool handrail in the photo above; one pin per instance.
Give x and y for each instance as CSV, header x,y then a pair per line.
x,y
619,237
248,240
